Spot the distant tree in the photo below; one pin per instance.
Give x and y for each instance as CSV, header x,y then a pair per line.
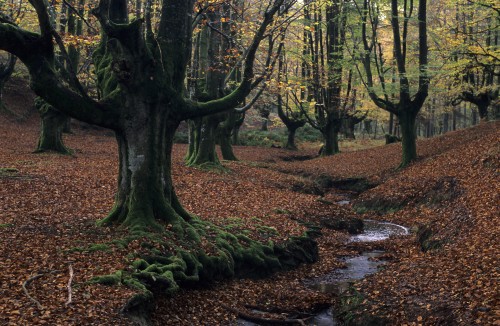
x,y
475,62
51,129
215,70
407,104
323,67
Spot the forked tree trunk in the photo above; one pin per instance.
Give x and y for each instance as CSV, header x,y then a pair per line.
x,y
141,81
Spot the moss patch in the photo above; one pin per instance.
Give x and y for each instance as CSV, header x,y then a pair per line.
x,y
202,252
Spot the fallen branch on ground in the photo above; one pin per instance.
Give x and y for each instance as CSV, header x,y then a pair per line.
x,y
257,319
69,286
277,310
28,281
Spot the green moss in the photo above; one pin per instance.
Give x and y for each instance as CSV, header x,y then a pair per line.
x,y
192,234
282,211
8,171
6,225
92,248
111,279
140,264
154,270
99,247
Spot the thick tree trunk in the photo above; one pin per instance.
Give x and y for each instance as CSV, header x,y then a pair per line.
x,y
205,141
6,71
225,130
264,126
474,117
290,141
446,122
227,148
51,129
331,140
391,123
349,128
482,108
408,137
146,196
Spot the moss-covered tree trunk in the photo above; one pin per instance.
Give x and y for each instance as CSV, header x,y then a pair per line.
x,y
145,193
204,137
226,128
235,134
51,129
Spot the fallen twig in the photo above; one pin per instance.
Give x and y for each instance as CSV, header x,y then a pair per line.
x,y
69,285
26,283
31,279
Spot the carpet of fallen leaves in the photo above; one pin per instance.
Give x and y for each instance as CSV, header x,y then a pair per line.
x,y
49,204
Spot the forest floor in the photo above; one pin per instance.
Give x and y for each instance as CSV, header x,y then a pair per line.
x,y
447,276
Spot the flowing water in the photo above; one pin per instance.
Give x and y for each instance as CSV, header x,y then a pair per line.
x,y
357,267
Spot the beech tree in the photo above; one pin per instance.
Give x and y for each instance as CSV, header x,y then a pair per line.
x,y
405,105
140,75
291,117
322,68
474,63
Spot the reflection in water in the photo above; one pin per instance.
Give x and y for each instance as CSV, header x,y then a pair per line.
x,y
339,280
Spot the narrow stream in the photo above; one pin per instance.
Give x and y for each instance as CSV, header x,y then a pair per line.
x,y
357,267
